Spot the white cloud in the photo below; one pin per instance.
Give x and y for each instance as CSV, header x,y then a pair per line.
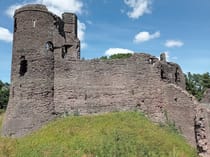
x,y
5,35
55,6
11,10
139,7
81,34
83,45
174,43
58,7
112,51
145,36
81,30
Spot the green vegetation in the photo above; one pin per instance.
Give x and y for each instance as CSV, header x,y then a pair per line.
x,y
1,117
4,95
196,84
117,56
125,134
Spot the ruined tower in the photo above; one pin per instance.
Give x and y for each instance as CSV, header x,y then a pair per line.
x,y
71,41
36,30
48,80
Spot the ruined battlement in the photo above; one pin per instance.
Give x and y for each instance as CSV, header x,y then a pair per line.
x,y
31,7
48,80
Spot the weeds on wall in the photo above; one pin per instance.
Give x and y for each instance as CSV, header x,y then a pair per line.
x,y
170,125
116,56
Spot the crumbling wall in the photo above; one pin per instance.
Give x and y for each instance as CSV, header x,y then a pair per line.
x,y
189,116
136,83
49,79
202,131
180,109
206,97
97,86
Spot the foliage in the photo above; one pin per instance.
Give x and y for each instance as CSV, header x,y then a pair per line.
x,y
103,58
120,134
4,95
1,118
117,56
196,84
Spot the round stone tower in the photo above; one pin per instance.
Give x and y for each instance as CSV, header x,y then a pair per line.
x,y
32,79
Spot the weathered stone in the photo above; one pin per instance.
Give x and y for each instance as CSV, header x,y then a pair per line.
x,y
163,57
202,131
49,80
206,98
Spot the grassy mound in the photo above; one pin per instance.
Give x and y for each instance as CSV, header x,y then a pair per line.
x,y
126,134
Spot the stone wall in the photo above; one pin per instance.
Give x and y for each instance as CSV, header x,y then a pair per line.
x,y
107,83
97,86
136,83
202,129
48,80
180,108
206,98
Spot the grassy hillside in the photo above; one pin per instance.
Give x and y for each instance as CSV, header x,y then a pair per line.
x,y
127,134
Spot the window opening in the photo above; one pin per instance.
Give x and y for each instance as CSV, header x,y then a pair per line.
x,y
15,25
177,79
23,66
163,76
65,49
49,46
34,23
64,52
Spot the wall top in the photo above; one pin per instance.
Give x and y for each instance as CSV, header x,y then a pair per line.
x,y
34,7
66,16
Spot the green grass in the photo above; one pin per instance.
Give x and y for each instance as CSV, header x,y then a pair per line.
x,y
123,134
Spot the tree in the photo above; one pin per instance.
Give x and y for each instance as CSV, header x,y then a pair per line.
x,y
196,84
120,56
206,80
117,56
1,84
4,95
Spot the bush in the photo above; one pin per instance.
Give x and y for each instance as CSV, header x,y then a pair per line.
x,y
4,95
196,84
117,56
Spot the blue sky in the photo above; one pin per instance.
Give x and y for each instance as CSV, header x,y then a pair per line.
x,y
181,28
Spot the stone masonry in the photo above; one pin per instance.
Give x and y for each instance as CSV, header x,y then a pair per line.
x,y
48,80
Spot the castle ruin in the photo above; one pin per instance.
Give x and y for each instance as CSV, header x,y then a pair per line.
x,y
49,79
